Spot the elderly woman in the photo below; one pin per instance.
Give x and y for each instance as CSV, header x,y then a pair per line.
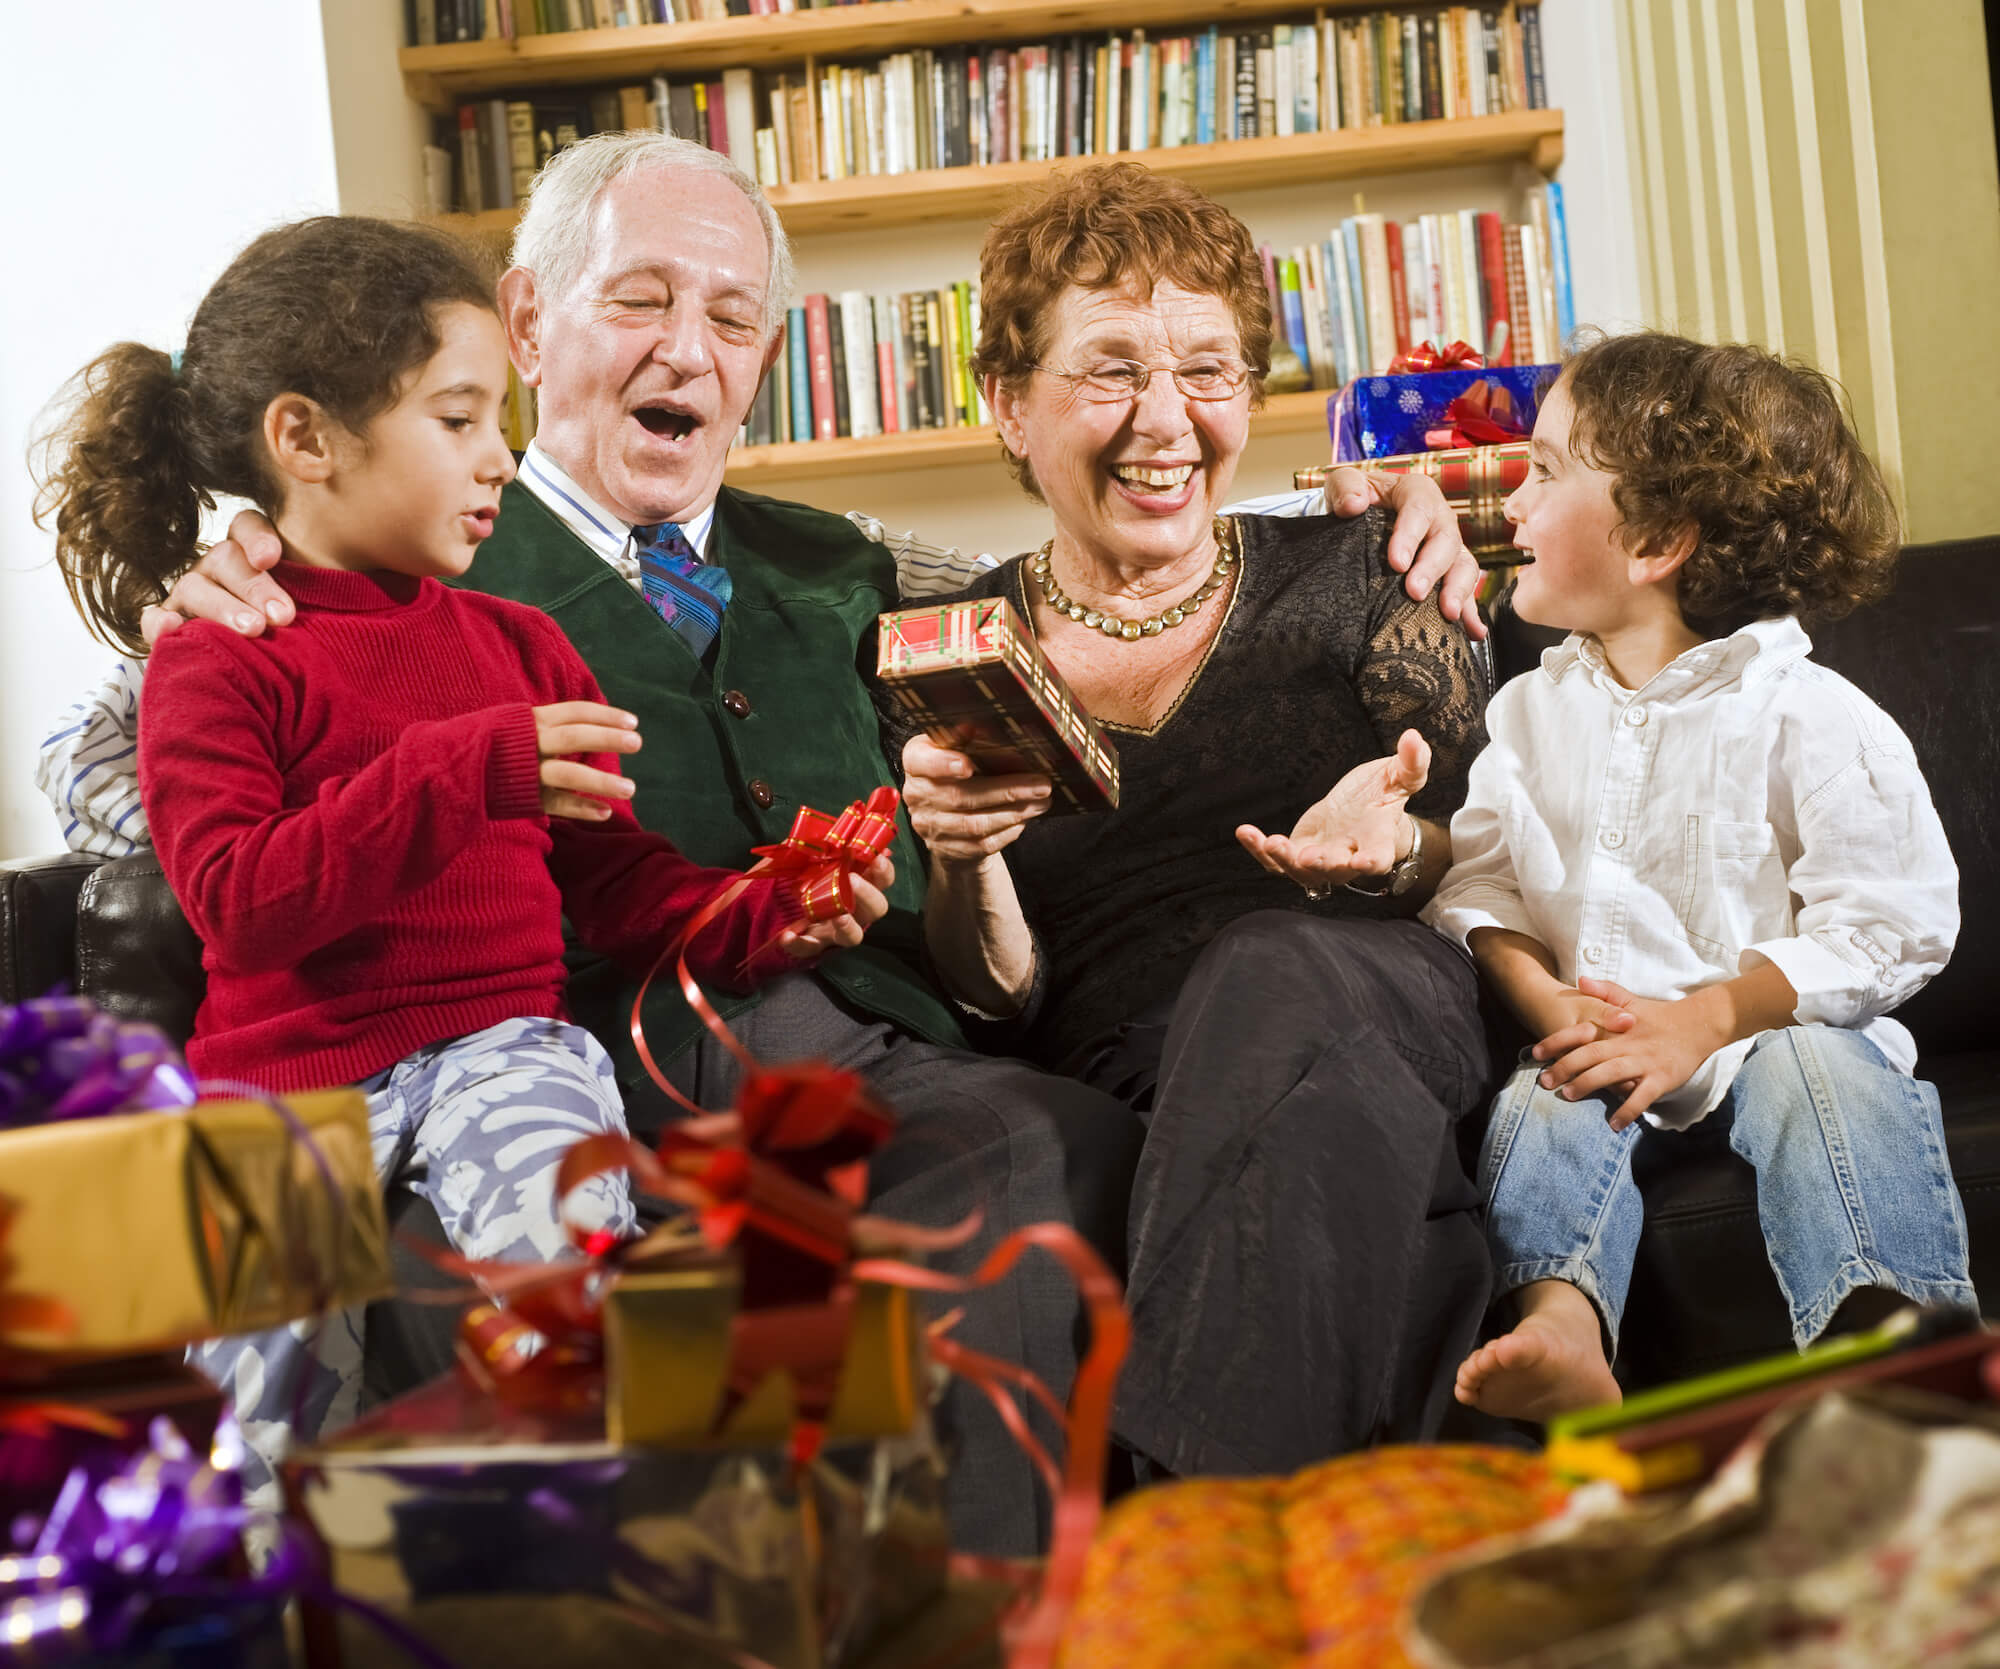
x,y
1305,1267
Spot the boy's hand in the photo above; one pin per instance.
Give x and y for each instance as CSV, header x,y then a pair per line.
x,y
870,906
569,787
1662,1048
1569,1019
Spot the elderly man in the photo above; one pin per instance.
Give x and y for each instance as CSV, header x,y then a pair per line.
x,y
645,304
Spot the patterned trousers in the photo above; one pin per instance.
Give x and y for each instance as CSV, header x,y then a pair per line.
x,y
478,1126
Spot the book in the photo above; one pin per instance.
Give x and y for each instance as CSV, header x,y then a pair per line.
x,y
1531,56
1498,348
1559,263
521,146
739,95
471,170
1521,337
1292,303
799,366
922,386
819,347
856,336
888,365
1399,286
836,359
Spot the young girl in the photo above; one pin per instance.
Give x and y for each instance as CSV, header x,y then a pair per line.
x,y
1699,868
377,818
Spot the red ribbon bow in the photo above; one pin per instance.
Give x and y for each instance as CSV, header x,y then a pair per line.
x,y
1428,356
1484,415
822,853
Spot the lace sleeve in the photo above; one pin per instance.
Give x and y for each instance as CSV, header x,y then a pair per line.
x,y
1417,671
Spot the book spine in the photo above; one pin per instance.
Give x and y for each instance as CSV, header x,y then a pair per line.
x,y
471,181
1343,303
1399,286
1468,255
1284,96
1417,276
888,364
1520,329
1376,283
1559,263
799,364
1531,280
521,146
1267,84
819,341
1357,295
1493,277
496,157
1293,302
1435,285
1448,56
1319,354
944,356
1496,87
968,395
857,337
1432,69
920,361
1206,57
1305,79
1531,56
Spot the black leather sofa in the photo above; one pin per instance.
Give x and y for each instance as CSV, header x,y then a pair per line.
x,y
1703,1295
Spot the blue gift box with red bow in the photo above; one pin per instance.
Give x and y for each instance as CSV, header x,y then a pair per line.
x,y
1416,410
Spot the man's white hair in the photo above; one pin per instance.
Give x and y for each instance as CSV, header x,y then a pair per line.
x,y
553,238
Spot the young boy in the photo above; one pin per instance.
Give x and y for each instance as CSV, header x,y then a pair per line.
x,y
1699,868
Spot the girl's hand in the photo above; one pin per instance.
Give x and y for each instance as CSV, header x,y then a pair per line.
x,y
1661,1050
961,816
870,906
569,787
1360,828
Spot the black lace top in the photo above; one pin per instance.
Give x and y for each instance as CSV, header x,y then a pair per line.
x,y
1321,662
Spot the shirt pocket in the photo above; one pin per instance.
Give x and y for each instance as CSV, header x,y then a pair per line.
x,y
1733,885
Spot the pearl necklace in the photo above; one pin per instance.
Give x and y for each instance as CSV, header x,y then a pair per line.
x,y
1153,625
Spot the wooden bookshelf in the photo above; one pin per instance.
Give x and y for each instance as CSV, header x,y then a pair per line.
x,y
439,76
757,467
875,200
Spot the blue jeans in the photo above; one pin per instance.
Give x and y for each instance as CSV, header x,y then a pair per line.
x,y
1853,1186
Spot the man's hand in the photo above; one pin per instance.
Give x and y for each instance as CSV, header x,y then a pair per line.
x,y
569,787
1360,828
1660,1051
1424,545
228,585
870,905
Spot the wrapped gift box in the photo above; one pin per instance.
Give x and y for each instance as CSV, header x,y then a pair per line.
x,y
974,665
156,1229
445,1501
1475,481
1382,417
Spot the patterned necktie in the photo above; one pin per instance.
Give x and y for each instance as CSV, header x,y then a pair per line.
x,y
688,594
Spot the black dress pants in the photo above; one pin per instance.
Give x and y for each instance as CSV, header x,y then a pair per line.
x,y
1307,1268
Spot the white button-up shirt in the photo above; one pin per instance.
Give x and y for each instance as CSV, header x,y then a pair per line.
x,y
1745,806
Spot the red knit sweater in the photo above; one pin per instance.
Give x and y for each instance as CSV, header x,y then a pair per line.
x,y
349,811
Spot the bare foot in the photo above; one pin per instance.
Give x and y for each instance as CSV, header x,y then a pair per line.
x,y
1552,1363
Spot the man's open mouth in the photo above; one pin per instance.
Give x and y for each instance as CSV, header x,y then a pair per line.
x,y
672,425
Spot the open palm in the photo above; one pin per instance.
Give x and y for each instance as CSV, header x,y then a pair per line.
x,y
1359,828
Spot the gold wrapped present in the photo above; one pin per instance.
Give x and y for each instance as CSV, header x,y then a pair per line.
x,y
668,1335
158,1229
1475,480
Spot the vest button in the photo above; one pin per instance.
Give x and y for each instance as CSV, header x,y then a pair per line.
x,y
737,703
760,791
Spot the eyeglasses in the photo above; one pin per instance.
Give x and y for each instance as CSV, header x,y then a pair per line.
x,y
1115,381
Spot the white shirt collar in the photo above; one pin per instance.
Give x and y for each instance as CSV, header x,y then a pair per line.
x,y
608,535
1758,650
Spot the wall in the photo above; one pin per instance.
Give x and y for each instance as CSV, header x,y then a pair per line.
x,y
1820,178
163,138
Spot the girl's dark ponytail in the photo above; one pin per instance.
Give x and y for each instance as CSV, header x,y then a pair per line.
x,y
119,489
338,309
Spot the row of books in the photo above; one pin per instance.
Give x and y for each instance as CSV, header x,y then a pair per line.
x,y
861,364
1375,288
440,22
1079,96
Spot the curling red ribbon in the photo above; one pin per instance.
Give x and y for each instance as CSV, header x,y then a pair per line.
x,y
822,853
1428,356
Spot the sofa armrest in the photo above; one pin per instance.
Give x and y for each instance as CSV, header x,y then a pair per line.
x,y
136,956
38,923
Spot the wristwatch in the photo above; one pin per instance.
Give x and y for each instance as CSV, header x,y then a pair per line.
x,y
1403,874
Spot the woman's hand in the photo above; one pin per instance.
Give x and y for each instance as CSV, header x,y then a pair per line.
x,y
871,904
569,787
963,817
1424,545
1360,828
229,585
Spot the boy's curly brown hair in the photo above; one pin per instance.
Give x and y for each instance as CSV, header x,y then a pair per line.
x,y
1756,455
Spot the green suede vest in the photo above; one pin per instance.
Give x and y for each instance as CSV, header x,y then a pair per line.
x,y
806,590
